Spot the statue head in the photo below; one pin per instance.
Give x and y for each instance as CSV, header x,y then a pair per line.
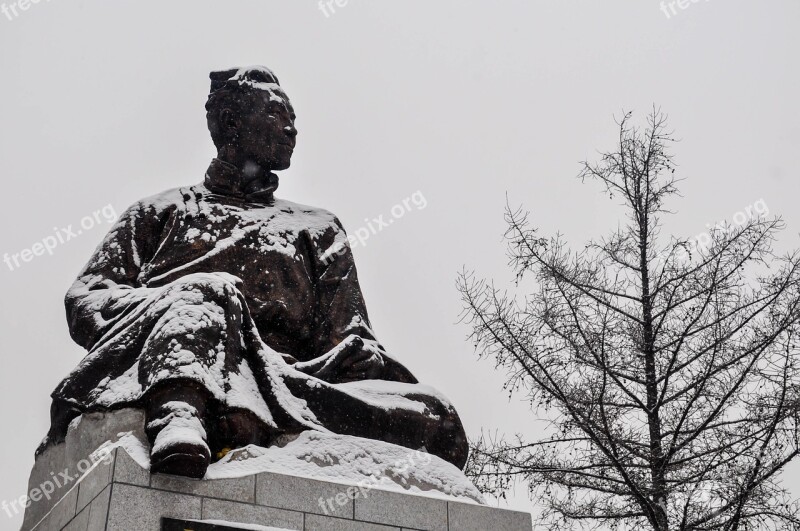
x,y
251,120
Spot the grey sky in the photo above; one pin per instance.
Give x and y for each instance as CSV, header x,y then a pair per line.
x,y
464,101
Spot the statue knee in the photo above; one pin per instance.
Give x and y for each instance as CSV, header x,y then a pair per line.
x,y
451,441
446,437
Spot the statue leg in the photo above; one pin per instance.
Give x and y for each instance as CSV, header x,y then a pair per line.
x,y
176,427
187,334
196,343
410,415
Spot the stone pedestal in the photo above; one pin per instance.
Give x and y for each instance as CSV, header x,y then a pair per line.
x,y
98,479
119,495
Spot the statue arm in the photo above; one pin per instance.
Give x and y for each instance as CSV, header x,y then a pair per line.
x,y
108,287
345,346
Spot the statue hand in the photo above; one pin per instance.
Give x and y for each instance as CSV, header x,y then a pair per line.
x,y
351,360
233,279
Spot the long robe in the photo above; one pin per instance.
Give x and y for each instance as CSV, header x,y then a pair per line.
x,y
226,288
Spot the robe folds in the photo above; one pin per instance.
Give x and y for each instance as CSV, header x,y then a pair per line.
x,y
228,289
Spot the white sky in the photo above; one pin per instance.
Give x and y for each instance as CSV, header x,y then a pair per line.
x,y
464,101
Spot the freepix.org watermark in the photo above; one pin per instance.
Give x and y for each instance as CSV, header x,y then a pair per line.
x,y
329,7
702,241
373,226
57,481
12,10
672,7
60,236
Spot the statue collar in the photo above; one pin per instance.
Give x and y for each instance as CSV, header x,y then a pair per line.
x,y
226,179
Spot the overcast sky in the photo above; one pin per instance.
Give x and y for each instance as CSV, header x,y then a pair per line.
x,y
463,101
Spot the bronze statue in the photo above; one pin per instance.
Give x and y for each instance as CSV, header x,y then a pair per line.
x,y
232,317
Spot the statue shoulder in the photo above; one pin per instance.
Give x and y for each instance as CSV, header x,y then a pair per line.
x,y
315,220
163,202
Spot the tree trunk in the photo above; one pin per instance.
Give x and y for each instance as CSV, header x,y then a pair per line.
x,y
659,491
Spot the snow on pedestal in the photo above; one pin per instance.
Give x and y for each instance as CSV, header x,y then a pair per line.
x,y
314,481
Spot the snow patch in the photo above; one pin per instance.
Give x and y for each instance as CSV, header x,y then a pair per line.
x,y
351,461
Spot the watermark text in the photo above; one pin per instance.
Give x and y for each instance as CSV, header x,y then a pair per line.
x,y
60,236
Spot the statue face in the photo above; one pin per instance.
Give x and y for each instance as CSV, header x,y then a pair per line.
x,y
264,131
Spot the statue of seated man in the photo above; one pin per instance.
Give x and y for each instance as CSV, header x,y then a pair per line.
x,y
232,317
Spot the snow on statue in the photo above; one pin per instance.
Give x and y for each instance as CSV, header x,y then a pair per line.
x,y
232,317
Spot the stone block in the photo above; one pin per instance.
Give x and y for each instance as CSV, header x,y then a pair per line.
x,y
49,463
251,514
85,436
95,481
468,517
98,511
141,508
303,495
238,489
61,513
402,510
80,522
127,470
315,522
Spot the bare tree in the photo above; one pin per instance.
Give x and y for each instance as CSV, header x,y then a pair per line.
x,y
667,372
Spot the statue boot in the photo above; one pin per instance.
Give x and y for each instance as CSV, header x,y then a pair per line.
x,y
175,426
